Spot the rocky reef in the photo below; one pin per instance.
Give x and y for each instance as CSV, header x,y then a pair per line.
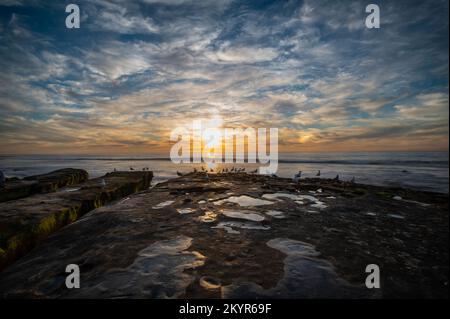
x,y
27,221
240,235
15,188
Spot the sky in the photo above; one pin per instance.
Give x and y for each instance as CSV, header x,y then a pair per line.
x,y
135,70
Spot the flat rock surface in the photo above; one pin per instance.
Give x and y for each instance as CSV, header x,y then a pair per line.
x,y
26,221
15,188
246,236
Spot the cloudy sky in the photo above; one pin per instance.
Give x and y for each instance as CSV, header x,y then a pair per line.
x,y
135,70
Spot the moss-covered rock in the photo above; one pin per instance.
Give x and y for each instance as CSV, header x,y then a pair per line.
x,y
18,188
26,222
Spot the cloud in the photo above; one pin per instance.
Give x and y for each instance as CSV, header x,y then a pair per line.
x,y
137,69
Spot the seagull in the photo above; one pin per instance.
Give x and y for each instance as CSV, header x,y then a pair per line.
x,y
337,178
297,176
179,174
318,173
103,182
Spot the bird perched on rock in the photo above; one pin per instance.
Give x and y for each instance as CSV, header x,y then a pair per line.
x,y
297,176
336,178
179,174
318,173
353,180
103,183
131,168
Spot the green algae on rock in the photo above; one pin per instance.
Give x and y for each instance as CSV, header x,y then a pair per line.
x,y
27,221
16,188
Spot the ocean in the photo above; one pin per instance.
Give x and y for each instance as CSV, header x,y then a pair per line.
x,y
426,171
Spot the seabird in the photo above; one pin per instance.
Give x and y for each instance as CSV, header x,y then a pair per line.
x,y
179,174
353,180
297,176
337,177
103,182
131,168
318,173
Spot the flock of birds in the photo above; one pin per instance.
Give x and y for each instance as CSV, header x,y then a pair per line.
x,y
299,175
296,178
221,171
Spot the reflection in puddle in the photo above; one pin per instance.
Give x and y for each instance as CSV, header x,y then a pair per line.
x,y
157,272
208,217
243,214
228,226
209,282
244,201
163,204
304,277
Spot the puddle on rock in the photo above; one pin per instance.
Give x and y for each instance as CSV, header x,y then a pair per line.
x,y
243,214
157,272
163,204
229,226
299,199
208,217
208,282
275,214
185,210
243,201
305,276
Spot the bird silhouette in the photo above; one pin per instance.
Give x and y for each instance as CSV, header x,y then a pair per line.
x,y
131,168
353,180
337,177
297,176
318,173
179,174
103,182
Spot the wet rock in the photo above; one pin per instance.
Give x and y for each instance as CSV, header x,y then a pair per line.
x,y
27,221
144,247
15,188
